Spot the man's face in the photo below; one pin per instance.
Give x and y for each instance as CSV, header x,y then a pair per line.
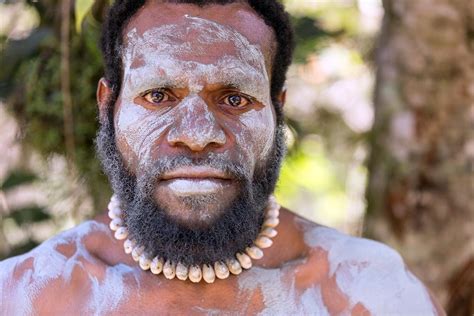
x,y
196,85
191,147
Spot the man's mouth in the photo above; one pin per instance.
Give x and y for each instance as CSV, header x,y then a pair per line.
x,y
195,180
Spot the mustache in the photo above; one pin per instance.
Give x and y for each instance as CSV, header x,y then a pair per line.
x,y
152,174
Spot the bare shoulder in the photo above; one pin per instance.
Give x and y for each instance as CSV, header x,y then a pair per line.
x,y
54,267
369,273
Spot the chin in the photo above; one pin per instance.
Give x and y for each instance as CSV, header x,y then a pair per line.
x,y
194,210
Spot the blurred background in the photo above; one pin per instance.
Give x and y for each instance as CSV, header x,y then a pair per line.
x,y
380,126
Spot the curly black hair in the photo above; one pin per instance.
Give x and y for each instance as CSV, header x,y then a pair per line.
x,y
271,11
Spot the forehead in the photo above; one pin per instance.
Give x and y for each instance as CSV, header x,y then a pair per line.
x,y
238,17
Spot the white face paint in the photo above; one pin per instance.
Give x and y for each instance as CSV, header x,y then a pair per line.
x,y
197,63
188,187
185,55
193,54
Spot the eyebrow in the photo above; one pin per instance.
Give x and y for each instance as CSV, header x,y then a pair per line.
x,y
242,77
139,83
240,80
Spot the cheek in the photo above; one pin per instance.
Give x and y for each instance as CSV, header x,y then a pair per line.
x,y
257,136
137,130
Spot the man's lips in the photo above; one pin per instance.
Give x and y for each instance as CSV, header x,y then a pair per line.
x,y
195,180
196,173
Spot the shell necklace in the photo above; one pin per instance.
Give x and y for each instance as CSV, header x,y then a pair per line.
x,y
195,273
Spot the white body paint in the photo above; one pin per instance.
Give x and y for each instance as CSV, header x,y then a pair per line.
x,y
280,296
49,265
371,273
366,272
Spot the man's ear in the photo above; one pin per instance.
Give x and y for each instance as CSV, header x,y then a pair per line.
x,y
102,94
282,97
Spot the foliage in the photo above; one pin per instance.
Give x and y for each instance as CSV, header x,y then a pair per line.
x,y
23,217
309,37
17,178
82,7
308,177
30,214
31,83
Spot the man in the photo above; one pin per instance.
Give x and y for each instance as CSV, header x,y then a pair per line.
x,y
191,139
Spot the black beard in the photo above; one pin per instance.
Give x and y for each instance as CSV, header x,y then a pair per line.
x,y
150,226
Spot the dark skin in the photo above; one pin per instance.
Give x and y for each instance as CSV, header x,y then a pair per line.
x,y
293,263
149,294
224,295
194,105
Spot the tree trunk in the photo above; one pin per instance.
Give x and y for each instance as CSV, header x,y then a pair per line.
x,y
421,183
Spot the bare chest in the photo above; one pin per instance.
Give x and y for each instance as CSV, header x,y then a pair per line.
x,y
257,291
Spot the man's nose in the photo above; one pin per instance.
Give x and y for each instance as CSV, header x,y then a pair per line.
x,y
195,126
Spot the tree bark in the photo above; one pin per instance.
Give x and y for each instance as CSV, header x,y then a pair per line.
x,y
420,190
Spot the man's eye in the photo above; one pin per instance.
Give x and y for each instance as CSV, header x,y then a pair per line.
x,y
236,100
156,96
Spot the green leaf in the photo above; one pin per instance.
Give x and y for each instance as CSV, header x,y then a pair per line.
x,y
17,178
20,249
81,9
31,214
16,52
309,36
